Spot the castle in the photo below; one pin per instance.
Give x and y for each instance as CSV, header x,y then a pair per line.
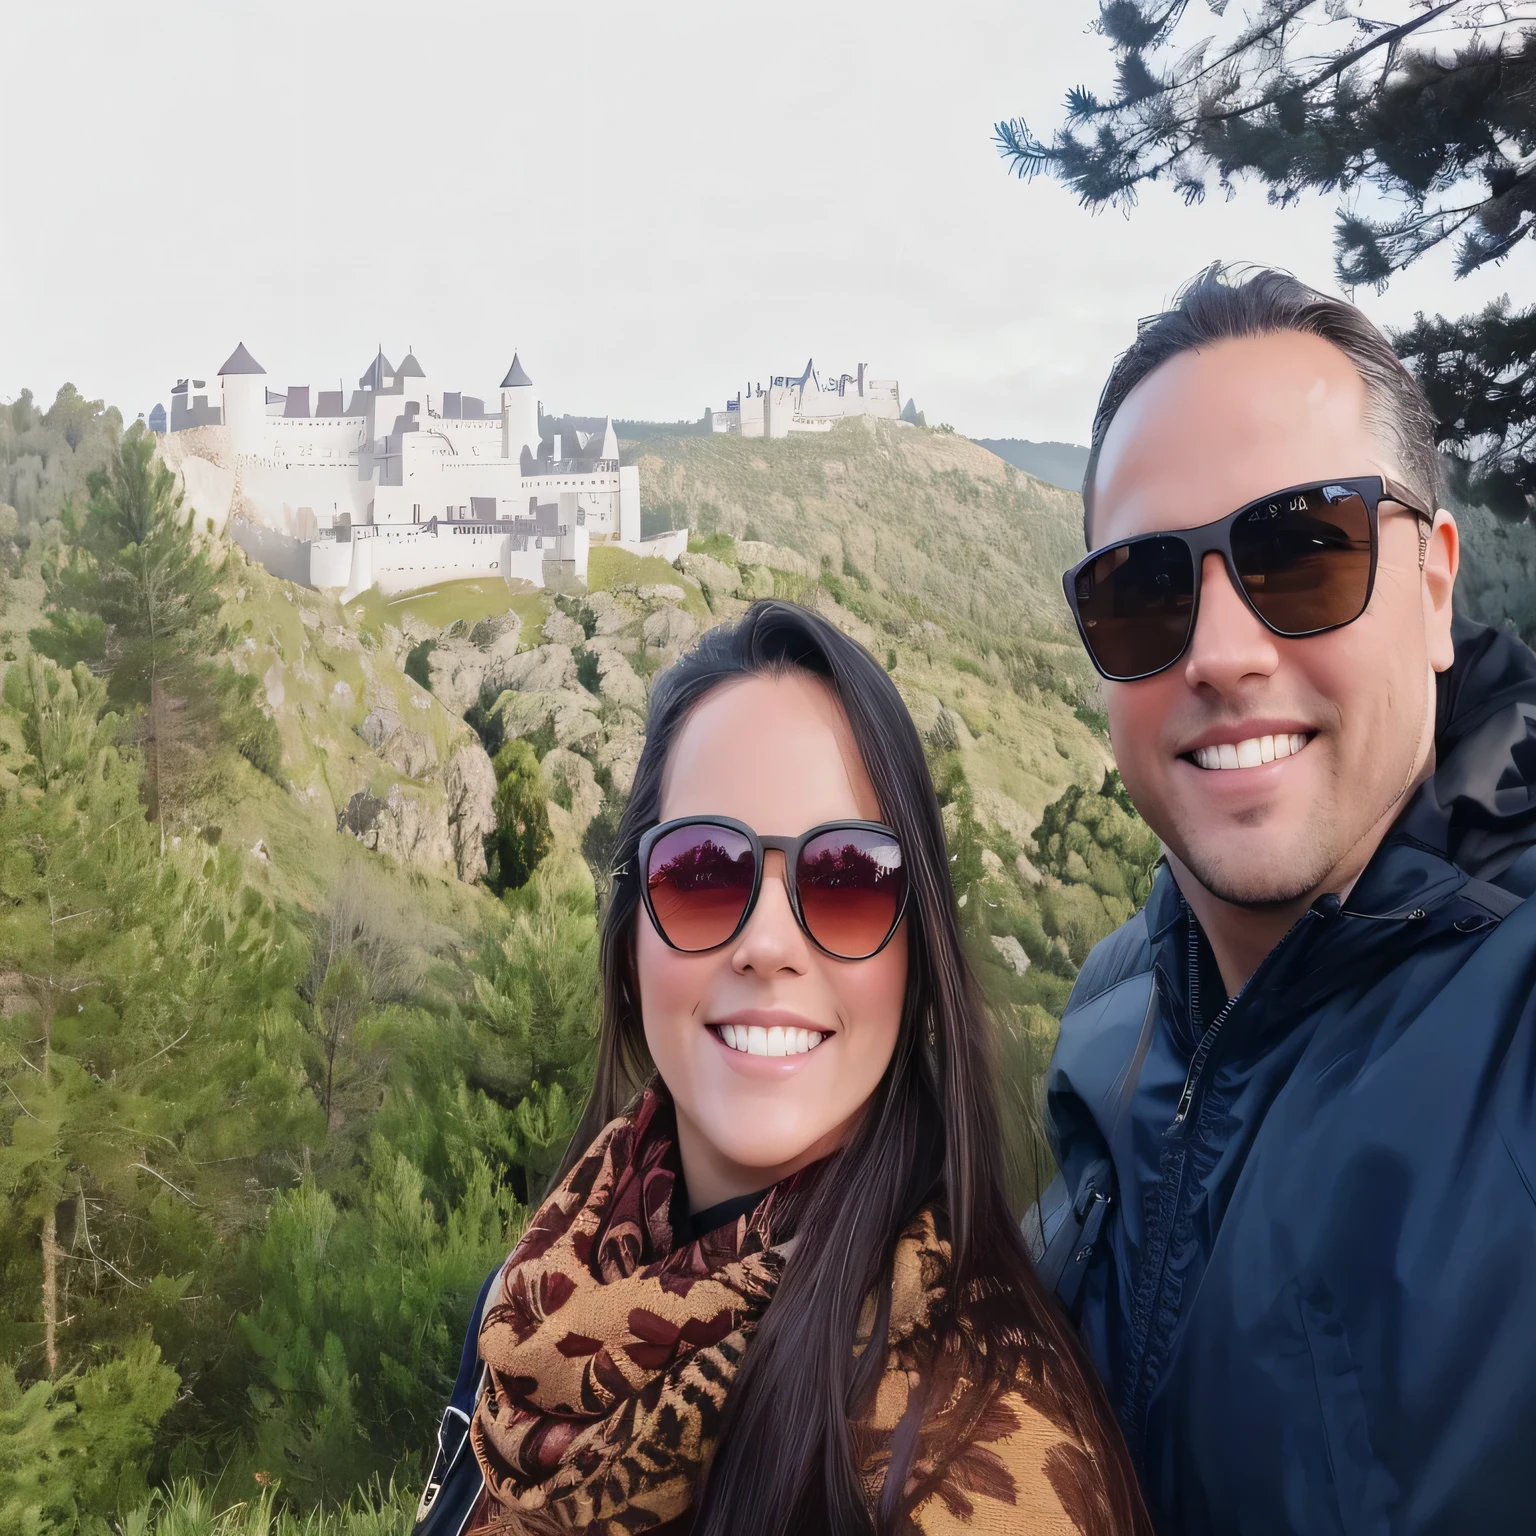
x,y
405,483
803,403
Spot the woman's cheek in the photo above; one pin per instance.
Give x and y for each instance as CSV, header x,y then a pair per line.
x,y
670,1000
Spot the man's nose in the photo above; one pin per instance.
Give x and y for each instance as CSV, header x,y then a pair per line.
x,y
1229,645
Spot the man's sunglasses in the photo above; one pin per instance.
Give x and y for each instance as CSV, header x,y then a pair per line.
x,y
1304,560
700,878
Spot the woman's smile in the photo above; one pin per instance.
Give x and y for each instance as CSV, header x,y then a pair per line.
x,y
768,1042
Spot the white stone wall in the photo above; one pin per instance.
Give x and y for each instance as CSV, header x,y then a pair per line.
x,y
304,478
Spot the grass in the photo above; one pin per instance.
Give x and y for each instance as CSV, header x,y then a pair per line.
x,y
609,567
443,602
189,1510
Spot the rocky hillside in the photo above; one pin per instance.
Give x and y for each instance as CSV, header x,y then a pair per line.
x,y
936,555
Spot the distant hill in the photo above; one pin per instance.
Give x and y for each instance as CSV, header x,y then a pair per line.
x,y
949,559
1060,464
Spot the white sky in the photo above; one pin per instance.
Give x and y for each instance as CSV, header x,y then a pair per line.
x,y
655,203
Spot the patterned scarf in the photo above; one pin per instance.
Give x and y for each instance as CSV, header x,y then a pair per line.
x,y
610,1353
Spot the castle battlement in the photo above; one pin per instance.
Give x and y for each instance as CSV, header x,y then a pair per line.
x,y
402,457
804,403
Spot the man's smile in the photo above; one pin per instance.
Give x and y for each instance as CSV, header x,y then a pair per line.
x,y
1251,751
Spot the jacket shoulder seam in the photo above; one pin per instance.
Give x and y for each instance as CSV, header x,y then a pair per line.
x,y
1128,958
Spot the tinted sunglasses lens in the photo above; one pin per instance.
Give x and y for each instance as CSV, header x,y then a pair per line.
x,y
1135,603
851,883
1305,558
699,880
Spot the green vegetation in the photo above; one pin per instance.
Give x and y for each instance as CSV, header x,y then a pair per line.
x,y
522,834
273,1099
265,1123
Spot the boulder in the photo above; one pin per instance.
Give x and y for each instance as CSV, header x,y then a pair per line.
x,y
1011,953
563,767
937,724
627,642
995,809
617,680
757,581
499,633
470,782
615,619
409,752
662,592
754,552
408,829
716,577
570,713
547,669
457,670
620,755
668,628
273,683
561,629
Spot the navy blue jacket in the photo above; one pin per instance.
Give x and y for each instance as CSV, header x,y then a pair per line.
x,y
1314,1297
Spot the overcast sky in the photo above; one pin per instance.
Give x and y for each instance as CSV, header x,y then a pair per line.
x,y
654,203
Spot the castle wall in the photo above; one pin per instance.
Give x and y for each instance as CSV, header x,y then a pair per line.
x,y
401,495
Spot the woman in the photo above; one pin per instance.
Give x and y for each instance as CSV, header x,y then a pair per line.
x,y
776,1288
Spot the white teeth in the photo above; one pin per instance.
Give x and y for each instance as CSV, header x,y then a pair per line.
x,y
753,1040
1252,753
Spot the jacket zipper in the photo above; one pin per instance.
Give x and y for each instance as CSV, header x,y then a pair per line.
x,y
1208,1039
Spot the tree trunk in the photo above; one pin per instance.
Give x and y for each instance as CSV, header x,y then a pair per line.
x,y
51,1289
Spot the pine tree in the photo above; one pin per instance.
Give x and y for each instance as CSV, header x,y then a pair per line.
x,y
1340,95
149,1068
522,835
136,594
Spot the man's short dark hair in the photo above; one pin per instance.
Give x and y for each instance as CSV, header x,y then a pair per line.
x,y
1227,302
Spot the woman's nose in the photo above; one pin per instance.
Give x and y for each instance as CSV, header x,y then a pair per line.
x,y
772,941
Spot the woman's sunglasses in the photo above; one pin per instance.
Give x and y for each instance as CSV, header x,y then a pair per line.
x,y
700,878
1304,560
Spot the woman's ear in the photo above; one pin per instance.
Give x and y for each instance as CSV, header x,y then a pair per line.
x,y
1442,559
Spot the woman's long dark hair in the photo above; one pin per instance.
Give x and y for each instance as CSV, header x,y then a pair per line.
x,y
930,1136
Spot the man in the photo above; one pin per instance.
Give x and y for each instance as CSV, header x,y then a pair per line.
x,y
1294,1099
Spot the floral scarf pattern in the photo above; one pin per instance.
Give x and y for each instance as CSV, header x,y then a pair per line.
x,y
610,1352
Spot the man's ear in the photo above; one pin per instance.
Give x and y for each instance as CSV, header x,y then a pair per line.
x,y
1442,559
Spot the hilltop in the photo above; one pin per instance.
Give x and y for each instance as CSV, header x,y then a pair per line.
x,y
1059,464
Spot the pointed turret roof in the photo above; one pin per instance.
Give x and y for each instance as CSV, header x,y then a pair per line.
x,y
374,375
516,376
241,361
410,368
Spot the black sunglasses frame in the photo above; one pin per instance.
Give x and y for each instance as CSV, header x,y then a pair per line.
x,y
791,848
1216,538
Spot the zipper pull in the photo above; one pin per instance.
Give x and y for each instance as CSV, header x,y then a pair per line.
x,y
1186,1098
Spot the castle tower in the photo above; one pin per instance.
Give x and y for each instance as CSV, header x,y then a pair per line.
x,y
412,380
519,413
245,400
